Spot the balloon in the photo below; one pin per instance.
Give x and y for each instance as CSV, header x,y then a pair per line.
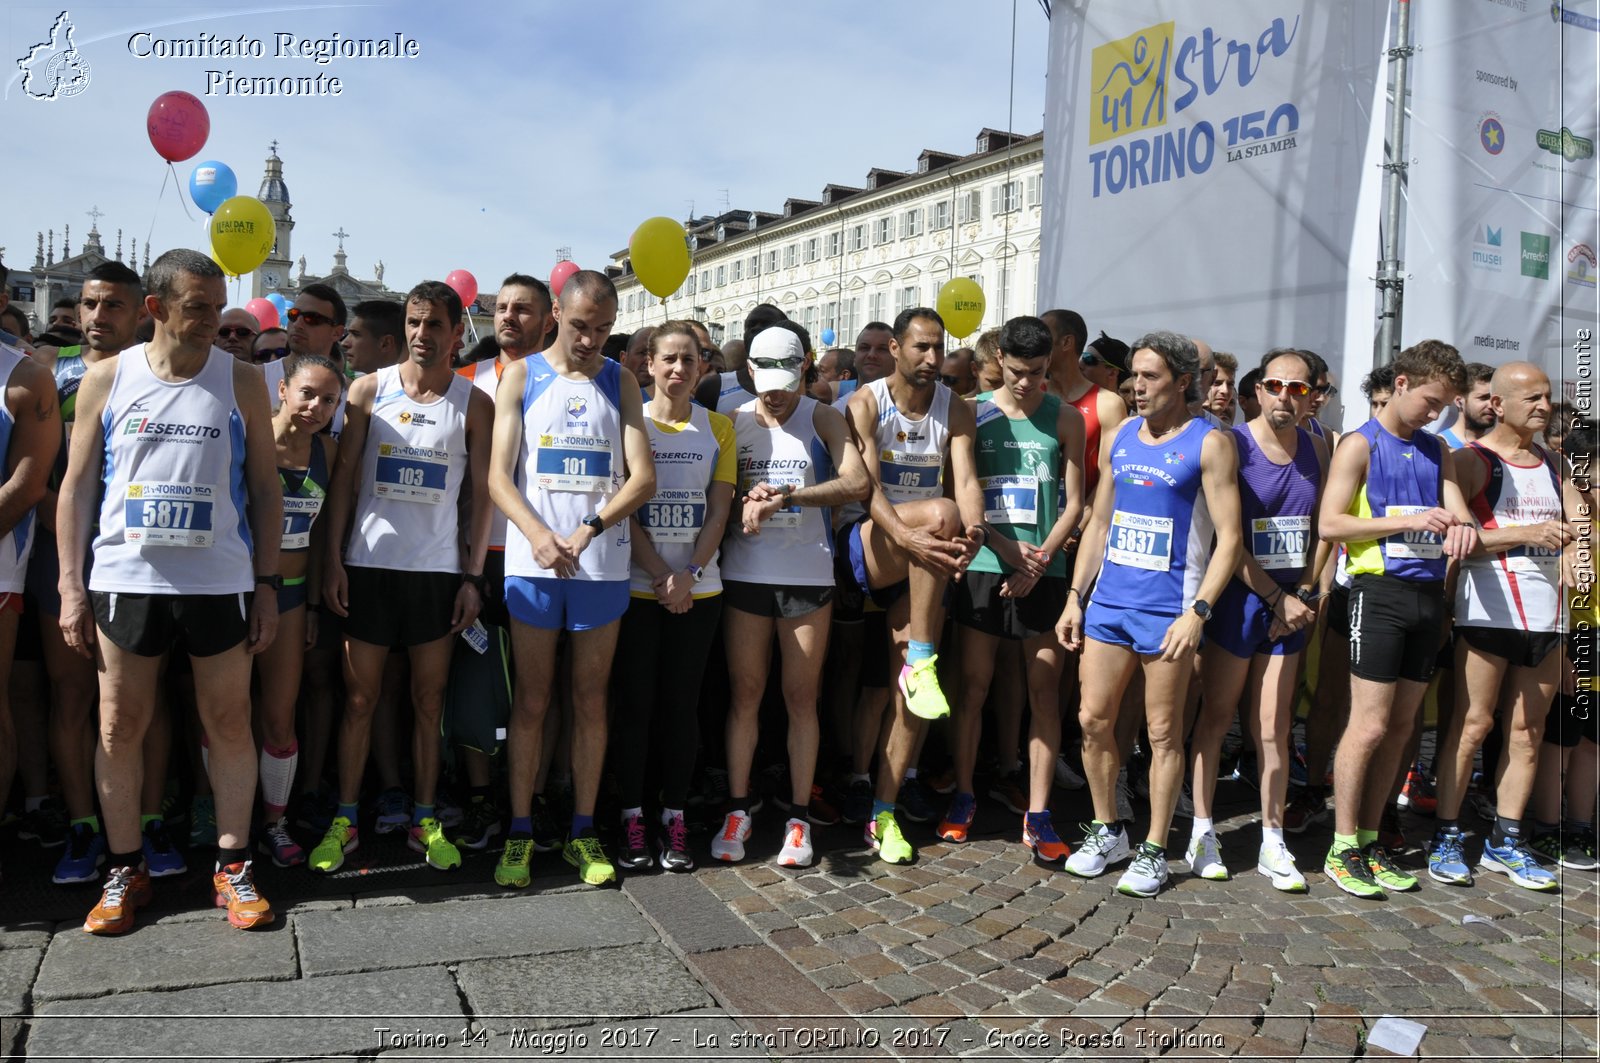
x,y
828,336
660,256
559,275
465,285
281,304
266,314
210,184
178,126
242,234
961,305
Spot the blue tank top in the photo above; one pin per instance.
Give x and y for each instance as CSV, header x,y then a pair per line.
x,y
1275,503
304,491
1403,477
1160,532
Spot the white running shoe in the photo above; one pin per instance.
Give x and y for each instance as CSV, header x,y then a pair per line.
x,y
1204,856
1103,844
1146,875
728,845
796,851
1277,863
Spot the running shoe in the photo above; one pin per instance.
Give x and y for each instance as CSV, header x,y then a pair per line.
x,y
1519,864
1482,805
1009,790
1299,773
820,811
514,870
1388,873
957,821
1418,792
314,810
796,851
1067,776
672,845
634,851
1390,832
161,857
428,838
329,854
394,811
1307,807
942,783
1184,805
1124,793
1103,844
1349,871
728,845
1204,857
857,804
920,684
446,811
480,822
202,821
884,836
585,853
278,843
547,830
1039,835
1570,846
1147,874
126,890
1276,862
915,801
236,891
1447,862
86,851
46,824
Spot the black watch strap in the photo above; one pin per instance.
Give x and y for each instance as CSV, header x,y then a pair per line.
x,y
477,579
275,582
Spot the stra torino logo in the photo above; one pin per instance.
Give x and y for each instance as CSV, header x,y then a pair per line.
x,y
54,69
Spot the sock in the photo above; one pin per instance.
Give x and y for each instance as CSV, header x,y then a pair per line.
x,y
1572,826
352,811
276,768
145,821
521,827
1202,825
918,651
225,857
1365,838
1539,827
94,823
1447,826
33,804
881,806
134,860
911,773
740,805
478,793
1509,829
1341,842
420,812
629,813
860,776
1152,849
670,814
1271,835
581,823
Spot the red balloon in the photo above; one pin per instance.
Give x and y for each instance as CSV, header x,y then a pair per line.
x,y
178,126
265,313
559,275
465,285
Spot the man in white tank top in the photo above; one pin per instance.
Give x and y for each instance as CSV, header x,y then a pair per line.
x,y
411,577
911,432
1508,619
187,452
571,463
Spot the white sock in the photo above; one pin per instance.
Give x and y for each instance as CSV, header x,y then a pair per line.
x,y
1202,825
1271,835
670,814
911,773
629,813
277,769
33,804
860,777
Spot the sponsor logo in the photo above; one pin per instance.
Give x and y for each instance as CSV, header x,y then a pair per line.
x,y
1497,343
1563,15
412,417
1173,457
1486,249
54,69
1565,143
577,406
1581,263
143,426
1492,133
1536,255
1489,77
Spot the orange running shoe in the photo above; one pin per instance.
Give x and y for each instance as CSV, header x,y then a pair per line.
x,y
957,821
236,891
127,889
1039,834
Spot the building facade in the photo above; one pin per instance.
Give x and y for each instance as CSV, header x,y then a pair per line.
x,y
861,254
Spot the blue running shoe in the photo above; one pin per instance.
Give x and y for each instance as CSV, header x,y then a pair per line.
x,y
161,857
86,851
1446,861
1518,862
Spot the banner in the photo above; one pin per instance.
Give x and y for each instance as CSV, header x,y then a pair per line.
x,y
1501,232
1203,170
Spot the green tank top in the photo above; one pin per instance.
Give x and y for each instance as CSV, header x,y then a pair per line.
x,y
1019,470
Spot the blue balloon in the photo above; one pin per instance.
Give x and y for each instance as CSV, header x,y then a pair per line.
x,y
828,337
282,304
211,185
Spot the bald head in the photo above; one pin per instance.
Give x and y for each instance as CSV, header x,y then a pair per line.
x,y
237,332
1519,395
1515,376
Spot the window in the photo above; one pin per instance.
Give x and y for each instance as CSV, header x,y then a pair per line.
x,y
911,223
813,249
941,215
738,269
830,317
1035,190
1005,198
692,285
755,265
722,276
969,207
835,244
883,230
878,306
705,279
772,261
808,320
858,237
849,325
905,298
790,255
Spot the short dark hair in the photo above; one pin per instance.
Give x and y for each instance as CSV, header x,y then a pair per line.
x,y
539,287
1026,337
19,319
1478,373
1248,382
761,317
876,326
1431,360
844,358
1068,323
436,292
673,328
590,284
903,320
113,272
296,362
66,302
384,317
1222,360
1380,379
1317,363
165,269
328,294
1180,354
1307,359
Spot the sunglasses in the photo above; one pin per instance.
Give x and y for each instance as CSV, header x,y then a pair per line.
x,y
709,353
311,316
776,363
271,354
229,332
1297,388
1325,389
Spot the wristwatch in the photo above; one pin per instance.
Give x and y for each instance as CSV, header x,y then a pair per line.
x,y
1202,608
477,579
275,582
1307,595
594,523
696,572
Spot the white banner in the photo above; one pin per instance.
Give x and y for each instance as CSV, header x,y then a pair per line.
x,y
1203,167
1501,215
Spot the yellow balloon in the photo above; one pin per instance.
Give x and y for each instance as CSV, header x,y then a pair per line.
x,y
961,305
242,234
659,255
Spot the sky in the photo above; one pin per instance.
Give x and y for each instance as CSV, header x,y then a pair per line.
x,y
517,128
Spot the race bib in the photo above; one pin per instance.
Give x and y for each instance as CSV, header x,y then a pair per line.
x,y
1280,542
168,514
1420,545
788,516
298,516
411,474
906,477
1139,541
1535,561
675,515
1010,499
574,463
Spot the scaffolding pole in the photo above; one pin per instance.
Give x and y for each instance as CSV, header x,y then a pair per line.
x,y
1391,277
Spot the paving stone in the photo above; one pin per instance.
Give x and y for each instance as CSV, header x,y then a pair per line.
x,y
173,956
365,939
18,967
543,992
754,983
902,987
25,935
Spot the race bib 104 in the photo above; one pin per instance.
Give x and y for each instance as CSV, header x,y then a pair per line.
x,y
1010,499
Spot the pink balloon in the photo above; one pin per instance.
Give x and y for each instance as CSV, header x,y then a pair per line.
x,y
559,275
265,313
178,126
465,285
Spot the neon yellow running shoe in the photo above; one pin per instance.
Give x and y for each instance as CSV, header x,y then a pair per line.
x,y
341,838
515,867
920,684
428,838
585,854
889,841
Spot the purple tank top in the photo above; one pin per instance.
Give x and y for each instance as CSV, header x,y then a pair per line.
x,y
1275,503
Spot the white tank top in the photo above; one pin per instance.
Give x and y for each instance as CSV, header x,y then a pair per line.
x,y
485,379
407,513
18,543
172,516
1517,588
685,463
911,452
571,465
795,546
731,394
